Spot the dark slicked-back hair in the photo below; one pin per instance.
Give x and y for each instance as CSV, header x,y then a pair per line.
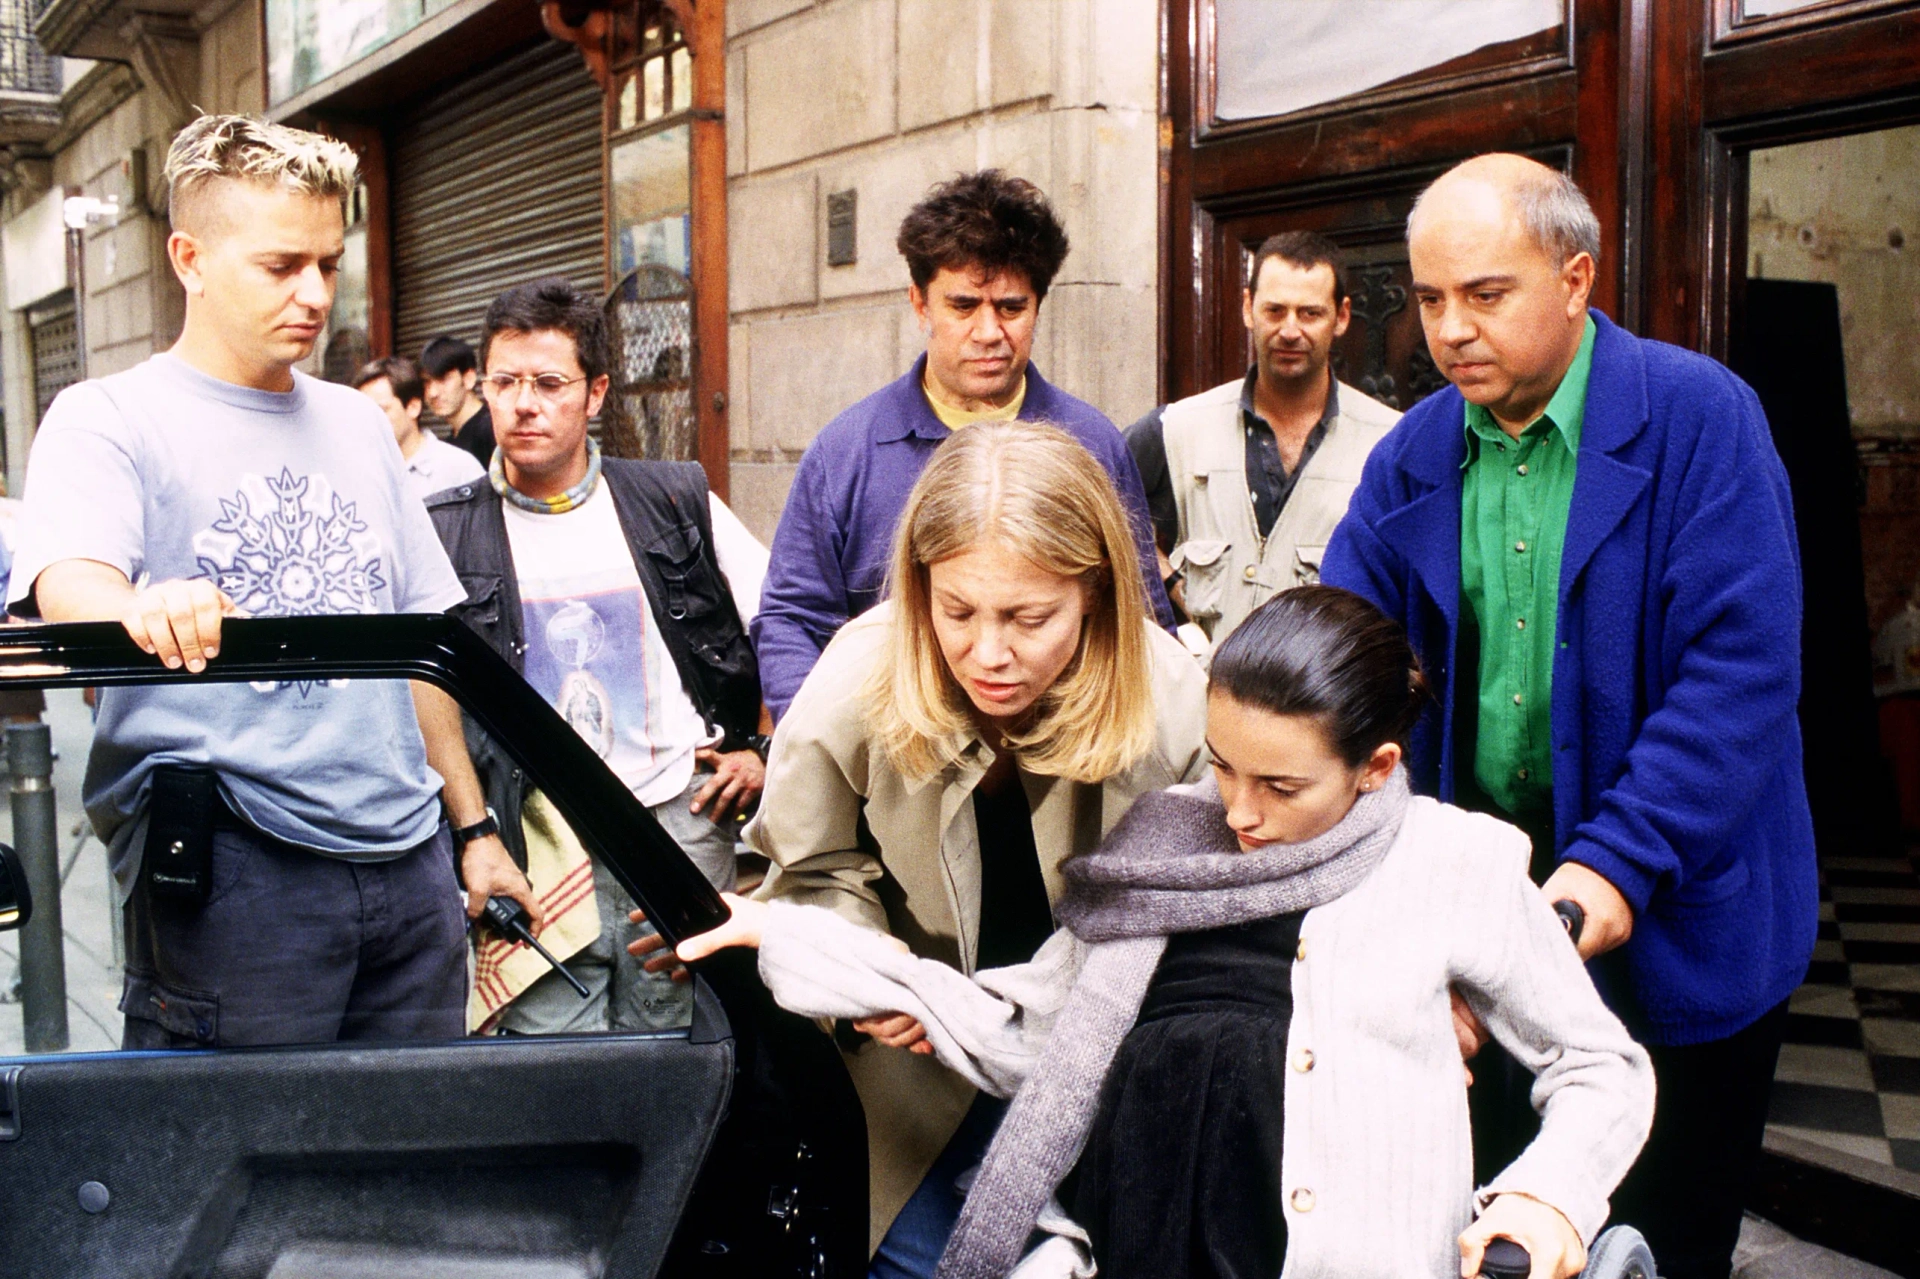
x,y
442,355
1327,654
989,220
402,374
552,303
1306,250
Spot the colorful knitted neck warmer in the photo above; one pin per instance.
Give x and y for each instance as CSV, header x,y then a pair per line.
x,y
560,505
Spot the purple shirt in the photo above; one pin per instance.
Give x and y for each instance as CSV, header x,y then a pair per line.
x,y
831,551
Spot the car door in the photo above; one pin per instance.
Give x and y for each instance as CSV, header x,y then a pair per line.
x,y
734,1146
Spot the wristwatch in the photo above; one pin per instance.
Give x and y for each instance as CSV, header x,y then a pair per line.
x,y
488,825
760,744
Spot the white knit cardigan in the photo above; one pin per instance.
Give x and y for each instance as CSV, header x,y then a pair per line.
x,y
1377,1166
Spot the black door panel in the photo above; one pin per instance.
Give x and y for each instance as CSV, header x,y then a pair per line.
x,y
569,1152
735,1149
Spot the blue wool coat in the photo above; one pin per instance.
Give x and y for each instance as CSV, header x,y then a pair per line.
x,y
1676,767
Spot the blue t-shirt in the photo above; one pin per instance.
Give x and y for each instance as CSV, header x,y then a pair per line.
x,y
294,504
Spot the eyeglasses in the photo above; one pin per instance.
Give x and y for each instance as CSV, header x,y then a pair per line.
x,y
549,387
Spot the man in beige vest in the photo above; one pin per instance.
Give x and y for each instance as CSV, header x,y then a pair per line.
x,y
1250,477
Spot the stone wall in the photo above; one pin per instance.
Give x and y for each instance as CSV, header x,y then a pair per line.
x,y
885,98
1847,210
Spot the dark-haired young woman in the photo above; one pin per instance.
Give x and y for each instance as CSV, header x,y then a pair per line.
x,y
1243,1034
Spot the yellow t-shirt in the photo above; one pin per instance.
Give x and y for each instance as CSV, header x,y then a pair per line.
x,y
953,419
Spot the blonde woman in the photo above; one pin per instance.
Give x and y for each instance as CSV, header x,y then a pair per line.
x,y
953,747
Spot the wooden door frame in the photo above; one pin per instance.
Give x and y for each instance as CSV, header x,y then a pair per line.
x,y
1662,102
1722,92
1583,101
605,41
369,142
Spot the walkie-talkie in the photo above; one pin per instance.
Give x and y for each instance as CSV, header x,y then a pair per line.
x,y
510,919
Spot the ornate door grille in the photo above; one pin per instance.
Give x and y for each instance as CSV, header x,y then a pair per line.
x,y
649,410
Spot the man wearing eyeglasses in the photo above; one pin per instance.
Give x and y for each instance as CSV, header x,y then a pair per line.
x,y
622,591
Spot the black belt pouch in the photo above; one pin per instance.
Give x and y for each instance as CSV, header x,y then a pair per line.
x,y
184,805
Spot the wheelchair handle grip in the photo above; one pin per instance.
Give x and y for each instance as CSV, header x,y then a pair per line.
x,y
1573,916
1506,1259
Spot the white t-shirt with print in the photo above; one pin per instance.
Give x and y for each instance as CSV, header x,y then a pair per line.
x,y
594,649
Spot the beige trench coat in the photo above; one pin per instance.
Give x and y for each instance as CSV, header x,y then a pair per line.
x,y
845,831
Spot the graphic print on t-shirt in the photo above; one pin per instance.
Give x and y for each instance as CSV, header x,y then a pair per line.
x,y
575,635
588,656
291,546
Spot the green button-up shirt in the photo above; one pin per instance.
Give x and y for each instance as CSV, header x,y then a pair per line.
x,y
1513,523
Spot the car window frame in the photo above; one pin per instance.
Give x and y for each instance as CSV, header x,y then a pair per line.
x,y
613,826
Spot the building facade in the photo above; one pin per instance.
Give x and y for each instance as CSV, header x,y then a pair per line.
x,y
844,112
728,177
126,79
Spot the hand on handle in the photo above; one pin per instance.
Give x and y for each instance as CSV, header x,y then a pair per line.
x,y
1520,1237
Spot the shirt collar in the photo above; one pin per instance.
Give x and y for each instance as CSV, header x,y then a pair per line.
x,y
1566,412
908,412
1251,416
911,414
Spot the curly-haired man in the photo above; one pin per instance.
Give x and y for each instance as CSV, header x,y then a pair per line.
x,y
981,250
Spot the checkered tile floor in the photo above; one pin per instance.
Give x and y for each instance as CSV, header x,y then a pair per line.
x,y
1849,1074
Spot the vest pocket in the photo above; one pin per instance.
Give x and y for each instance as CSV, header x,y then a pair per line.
x,y
481,609
1306,565
679,558
1203,564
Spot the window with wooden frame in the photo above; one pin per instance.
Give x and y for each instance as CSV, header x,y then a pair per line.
x,y
662,65
650,242
1331,115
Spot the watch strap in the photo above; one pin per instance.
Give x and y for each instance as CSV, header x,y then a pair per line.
x,y
488,825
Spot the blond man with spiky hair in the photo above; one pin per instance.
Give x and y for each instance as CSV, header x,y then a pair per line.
x,y
280,849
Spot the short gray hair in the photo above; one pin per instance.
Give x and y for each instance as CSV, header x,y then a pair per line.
x,y
241,147
1555,212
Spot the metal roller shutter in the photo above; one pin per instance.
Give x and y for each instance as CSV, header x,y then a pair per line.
x,y
56,351
496,181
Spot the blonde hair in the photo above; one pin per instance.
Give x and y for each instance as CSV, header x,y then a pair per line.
x,y
1035,490
241,148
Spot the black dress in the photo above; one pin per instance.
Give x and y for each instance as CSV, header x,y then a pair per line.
x,y
1015,918
1181,1175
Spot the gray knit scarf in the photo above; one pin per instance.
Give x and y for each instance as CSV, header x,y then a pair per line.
x,y
1171,865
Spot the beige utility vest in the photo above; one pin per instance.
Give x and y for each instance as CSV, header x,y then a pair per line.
x,y
1229,569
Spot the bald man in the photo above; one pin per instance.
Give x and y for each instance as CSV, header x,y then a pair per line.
x,y
1590,542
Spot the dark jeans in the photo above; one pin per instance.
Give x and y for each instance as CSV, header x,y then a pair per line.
x,y
294,948
1688,1190
919,1234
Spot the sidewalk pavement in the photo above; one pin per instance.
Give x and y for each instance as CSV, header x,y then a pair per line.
x,y
93,979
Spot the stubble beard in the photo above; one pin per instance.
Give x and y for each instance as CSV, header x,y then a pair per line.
x,y
1312,374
